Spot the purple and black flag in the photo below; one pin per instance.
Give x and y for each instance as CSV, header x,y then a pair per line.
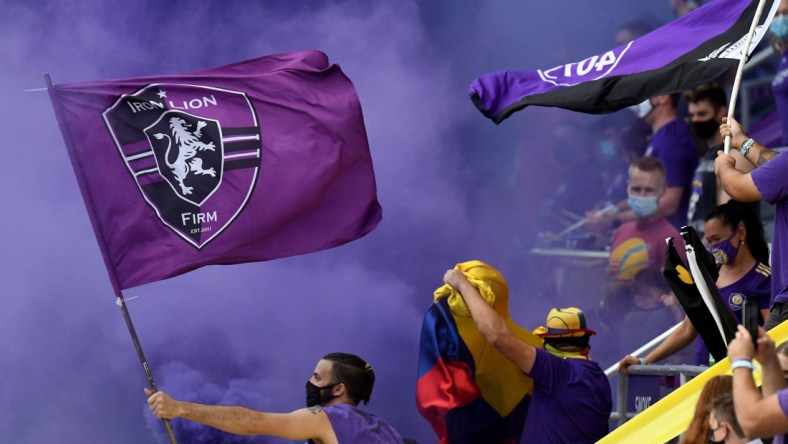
x,y
701,301
695,49
257,160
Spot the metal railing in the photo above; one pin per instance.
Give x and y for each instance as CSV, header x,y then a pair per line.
x,y
685,373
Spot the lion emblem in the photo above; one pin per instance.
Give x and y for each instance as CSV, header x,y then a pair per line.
x,y
180,156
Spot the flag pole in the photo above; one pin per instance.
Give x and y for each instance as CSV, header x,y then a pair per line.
x,y
120,301
740,69
137,346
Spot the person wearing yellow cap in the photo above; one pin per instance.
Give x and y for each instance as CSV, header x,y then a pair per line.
x,y
571,399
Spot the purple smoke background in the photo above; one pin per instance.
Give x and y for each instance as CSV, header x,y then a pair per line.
x,y
453,187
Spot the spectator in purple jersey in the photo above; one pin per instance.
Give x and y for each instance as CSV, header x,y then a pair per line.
x,y
762,412
571,400
735,236
673,145
769,181
339,383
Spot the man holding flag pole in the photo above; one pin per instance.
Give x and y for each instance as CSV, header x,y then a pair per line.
x,y
769,181
257,160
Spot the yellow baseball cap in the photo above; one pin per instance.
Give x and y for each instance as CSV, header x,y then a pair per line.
x,y
565,323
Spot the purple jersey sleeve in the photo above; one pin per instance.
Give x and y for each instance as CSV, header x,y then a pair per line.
x,y
771,179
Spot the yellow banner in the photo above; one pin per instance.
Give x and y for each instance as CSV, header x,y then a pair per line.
x,y
670,416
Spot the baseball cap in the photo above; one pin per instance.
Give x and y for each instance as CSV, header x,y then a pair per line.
x,y
565,323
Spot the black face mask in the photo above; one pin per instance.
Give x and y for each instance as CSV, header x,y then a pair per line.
x,y
314,394
706,130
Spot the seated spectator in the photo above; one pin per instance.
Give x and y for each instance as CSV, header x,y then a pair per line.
x,y
653,310
765,412
737,240
640,243
723,424
698,430
673,145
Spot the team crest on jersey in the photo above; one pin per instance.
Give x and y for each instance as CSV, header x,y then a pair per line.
x,y
736,300
193,151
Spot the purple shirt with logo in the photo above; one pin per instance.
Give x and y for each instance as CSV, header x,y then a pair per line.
x,y
772,182
756,284
571,401
780,90
673,146
353,425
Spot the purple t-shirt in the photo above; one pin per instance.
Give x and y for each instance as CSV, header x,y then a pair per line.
x,y
782,398
353,425
771,179
780,91
570,403
674,147
756,284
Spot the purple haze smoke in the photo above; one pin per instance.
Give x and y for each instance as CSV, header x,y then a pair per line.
x,y
452,185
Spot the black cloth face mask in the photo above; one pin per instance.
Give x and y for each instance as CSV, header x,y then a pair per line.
x,y
314,394
706,130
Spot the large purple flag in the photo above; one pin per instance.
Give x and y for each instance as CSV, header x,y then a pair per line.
x,y
683,54
252,161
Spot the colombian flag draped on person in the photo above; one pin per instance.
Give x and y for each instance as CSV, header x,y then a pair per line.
x,y
695,49
467,390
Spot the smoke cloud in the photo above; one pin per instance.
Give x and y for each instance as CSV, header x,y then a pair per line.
x,y
453,187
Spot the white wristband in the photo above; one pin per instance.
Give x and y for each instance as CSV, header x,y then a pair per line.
x,y
745,148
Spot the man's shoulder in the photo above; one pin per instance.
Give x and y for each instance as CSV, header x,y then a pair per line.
x,y
671,134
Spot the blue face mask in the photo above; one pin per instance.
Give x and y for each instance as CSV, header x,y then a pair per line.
x,y
643,206
779,27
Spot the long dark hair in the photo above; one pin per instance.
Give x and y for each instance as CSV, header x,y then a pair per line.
x,y
355,373
731,214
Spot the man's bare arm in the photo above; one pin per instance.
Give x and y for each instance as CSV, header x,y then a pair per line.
x,y
301,424
737,184
491,325
757,154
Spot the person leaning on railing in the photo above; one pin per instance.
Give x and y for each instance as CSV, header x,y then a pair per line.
x,y
736,238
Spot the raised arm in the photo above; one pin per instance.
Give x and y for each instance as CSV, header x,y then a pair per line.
x,y
491,324
736,184
757,154
757,415
772,379
311,423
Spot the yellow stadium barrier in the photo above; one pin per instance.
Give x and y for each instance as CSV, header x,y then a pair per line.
x,y
671,415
